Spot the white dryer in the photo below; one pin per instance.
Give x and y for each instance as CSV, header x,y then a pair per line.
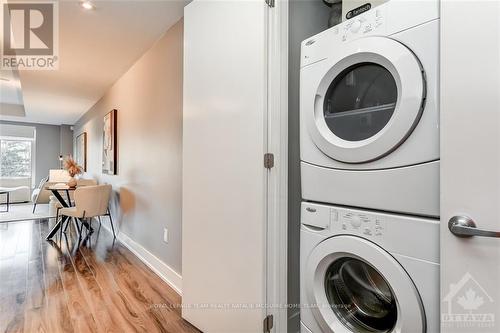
x,y
367,272
370,112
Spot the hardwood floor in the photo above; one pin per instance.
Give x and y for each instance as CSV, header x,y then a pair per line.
x,y
95,286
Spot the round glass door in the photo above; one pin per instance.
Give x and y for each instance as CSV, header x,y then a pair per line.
x,y
360,101
359,287
360,297
364,101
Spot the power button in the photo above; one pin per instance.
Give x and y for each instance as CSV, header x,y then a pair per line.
x,y
356,25
355,222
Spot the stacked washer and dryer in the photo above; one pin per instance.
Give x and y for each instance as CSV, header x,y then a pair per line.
x,y
370,173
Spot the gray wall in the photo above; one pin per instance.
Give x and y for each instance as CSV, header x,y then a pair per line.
x,y
306,18
48,146
66,140
148,184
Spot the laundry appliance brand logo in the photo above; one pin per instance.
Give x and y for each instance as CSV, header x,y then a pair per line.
x,y
30,35
467,305
359,10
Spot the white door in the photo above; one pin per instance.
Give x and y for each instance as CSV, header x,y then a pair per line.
x,y
470,160
224,179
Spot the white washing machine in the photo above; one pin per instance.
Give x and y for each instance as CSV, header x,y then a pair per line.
x,y
369,110
367,272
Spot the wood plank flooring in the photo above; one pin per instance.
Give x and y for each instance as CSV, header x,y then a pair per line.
x,y
65,286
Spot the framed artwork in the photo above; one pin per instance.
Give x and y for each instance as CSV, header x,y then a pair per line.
x,y
81,150
109,146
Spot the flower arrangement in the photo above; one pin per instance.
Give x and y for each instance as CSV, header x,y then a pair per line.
x,y
72,167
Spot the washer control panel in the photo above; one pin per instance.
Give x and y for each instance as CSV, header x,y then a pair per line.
x,y
358,223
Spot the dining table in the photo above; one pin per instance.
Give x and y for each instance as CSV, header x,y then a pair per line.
x,y
62,194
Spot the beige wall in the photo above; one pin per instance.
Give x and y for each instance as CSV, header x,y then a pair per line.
x,y
148,184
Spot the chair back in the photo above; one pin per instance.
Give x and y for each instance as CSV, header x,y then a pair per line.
x,y
86,182
92,200
42,182
36,192
59,176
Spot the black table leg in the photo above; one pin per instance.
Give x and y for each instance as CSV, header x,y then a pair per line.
x,y
8,201
56,227
58,224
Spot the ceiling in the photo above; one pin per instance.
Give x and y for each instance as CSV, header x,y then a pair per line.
x,y
11,97
96,47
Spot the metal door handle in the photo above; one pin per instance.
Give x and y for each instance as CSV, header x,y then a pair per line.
x,y
464,226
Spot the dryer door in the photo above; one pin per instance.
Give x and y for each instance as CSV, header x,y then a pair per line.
x,y
355,286
368,100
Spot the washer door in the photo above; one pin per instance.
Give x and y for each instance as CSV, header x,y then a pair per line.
x,y
352,285
368,101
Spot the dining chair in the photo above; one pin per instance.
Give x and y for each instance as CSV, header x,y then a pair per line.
x,y
82,182
85,182
39,192
71,198
90,202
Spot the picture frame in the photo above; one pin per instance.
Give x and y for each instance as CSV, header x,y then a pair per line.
x,y
109,144
81,150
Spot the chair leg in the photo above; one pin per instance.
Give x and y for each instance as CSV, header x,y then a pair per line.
x,y
81,226
112,227
61,229
99,218
34,207
89,229
62,224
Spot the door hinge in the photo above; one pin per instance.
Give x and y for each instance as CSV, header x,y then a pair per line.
x,y
268,324
268,160
270,3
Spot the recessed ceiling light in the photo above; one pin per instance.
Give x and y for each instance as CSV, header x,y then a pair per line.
x,y
87,5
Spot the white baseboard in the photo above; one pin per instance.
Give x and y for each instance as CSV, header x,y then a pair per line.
x,y
165,272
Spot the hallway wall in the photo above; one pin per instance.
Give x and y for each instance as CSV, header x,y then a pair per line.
x,y
148,183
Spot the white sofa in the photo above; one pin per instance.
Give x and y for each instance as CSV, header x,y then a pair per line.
x,y
21,195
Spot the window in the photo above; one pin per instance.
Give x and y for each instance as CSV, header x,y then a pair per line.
x,y
15,157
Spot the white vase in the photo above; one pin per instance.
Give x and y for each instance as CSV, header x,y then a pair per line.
x,y
72,182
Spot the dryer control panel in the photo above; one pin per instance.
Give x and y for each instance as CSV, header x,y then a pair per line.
x,y
358,223
320,46
368,23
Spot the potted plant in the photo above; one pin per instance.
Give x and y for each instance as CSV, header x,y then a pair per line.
x,y
73,169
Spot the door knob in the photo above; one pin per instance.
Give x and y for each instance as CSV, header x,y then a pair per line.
x,y
464,226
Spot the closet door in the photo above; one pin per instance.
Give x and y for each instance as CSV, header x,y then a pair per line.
x,y
224,179
470,167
